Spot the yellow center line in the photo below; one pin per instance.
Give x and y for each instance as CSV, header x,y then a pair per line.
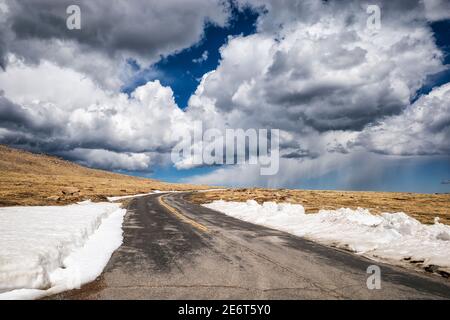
x,y
181,216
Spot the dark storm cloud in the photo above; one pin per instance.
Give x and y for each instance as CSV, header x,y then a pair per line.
x,y
14,116
339,148
145,29
304,96
328,106
3,50
11,114
301,154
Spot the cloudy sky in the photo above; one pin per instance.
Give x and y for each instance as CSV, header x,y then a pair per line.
x,y
358,108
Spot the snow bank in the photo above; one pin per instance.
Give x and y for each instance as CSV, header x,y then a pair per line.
x,y
394,237
47,250
112,199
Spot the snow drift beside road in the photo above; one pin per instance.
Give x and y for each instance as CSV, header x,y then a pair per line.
x,y
47,250
113,199
390,236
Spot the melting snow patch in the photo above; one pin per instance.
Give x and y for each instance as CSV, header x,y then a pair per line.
x,y
47,250
394,237
112,199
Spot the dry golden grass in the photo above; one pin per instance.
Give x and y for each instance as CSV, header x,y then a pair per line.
x,y
31,179
423,207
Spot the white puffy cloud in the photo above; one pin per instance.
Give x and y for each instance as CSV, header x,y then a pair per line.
x,y
58,109
422,129
110,32
336,89
317,73
319,82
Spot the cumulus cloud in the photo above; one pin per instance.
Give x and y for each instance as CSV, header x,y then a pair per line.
x,y
317,73
336,89
319,81
110,32
40,107
276,14
422,129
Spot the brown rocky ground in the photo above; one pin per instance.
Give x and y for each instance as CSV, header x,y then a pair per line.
x,y
423,207
34,179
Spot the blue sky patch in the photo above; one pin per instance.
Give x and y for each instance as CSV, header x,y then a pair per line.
x,y
183,71
441,30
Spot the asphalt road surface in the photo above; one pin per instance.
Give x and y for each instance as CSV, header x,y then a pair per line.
x,y
196,253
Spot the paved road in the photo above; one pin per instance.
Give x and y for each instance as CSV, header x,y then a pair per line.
x,y
197,253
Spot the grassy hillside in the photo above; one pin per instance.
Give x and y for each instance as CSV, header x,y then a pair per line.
x,y
36,179
423,207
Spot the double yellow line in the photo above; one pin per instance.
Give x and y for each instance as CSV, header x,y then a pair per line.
x,y
181,216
